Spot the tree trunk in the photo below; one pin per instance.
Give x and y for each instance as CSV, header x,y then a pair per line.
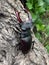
x,y
9,39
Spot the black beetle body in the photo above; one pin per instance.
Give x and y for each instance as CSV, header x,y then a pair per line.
x,y
26,38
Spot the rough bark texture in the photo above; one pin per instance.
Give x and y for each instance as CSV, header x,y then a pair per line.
x,y
9,54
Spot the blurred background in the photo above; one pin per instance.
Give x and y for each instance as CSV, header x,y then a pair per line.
x,y
40,14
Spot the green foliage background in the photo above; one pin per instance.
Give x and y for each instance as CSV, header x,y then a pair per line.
x,y
40,15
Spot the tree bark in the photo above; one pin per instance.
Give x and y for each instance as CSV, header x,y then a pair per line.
x,y
9,38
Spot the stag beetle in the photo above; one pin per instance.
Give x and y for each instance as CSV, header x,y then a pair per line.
x,y
25,35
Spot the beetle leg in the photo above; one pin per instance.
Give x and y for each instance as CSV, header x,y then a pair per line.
x,y
33,44
16,30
